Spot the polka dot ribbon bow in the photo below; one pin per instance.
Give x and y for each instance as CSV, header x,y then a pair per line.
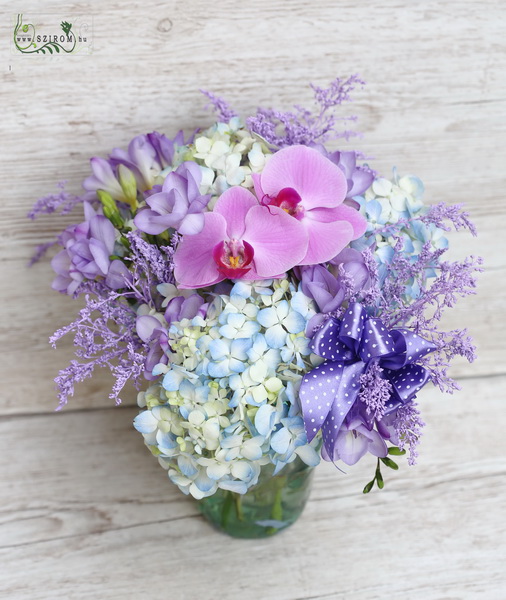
x,y
349,345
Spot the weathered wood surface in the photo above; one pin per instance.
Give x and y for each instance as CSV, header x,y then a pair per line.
x,y
85,511
434,105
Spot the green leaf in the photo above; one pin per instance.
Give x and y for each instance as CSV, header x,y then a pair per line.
x,y
394,451
379,480
49,49
390,463
368,487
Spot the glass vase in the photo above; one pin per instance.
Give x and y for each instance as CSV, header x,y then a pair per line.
x,y
270,506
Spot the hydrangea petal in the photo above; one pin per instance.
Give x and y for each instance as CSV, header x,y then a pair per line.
x,y
280,441
294,322
145,422
276,336
308,454
265,419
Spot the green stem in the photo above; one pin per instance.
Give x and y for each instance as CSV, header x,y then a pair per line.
x,y
226,510
277,506
238,506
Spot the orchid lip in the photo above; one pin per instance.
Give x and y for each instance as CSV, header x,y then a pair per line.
x,y
288,200
233,258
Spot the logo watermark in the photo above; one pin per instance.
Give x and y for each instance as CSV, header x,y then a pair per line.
x,y
46,35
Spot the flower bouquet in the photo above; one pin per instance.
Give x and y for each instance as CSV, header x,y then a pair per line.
x,y
275,302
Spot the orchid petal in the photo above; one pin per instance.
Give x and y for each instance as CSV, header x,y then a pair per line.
x,y
326,240
279,240
234,205
318,181
194,266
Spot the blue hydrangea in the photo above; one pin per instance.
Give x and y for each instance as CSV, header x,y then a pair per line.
x,y
393,206
226,402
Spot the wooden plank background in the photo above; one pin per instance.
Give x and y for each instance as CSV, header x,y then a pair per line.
x,y
84,510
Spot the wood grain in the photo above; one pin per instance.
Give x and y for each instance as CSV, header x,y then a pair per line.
x,y
89,506
85,512
434,106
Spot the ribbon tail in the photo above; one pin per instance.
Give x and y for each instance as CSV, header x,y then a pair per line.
x,y
317,392
346,395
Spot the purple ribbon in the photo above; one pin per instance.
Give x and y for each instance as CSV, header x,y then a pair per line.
x,y
349,345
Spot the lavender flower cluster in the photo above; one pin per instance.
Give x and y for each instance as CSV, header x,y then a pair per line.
x,y
226,287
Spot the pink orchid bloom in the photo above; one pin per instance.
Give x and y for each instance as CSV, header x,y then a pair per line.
x,y
311,188
240,239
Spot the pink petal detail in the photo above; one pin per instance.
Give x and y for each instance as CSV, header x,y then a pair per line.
x,y
325,240
318,181
257,183
194,266
279,240
358,222
234,205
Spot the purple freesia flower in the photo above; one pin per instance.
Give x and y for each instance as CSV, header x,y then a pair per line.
x,y
353,268
154,334
311,189
141,158
86,254
179,205
146,157
322,286
165,148
347,275
358,179
104,178
182,307
355,438
153,331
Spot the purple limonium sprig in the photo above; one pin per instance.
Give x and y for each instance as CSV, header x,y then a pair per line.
x,y
100,344
408,427
179,205
220,106
105,332
452,280
304,126
62,202
375,391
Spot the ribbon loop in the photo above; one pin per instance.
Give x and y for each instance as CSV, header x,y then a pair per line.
x,y
349,345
